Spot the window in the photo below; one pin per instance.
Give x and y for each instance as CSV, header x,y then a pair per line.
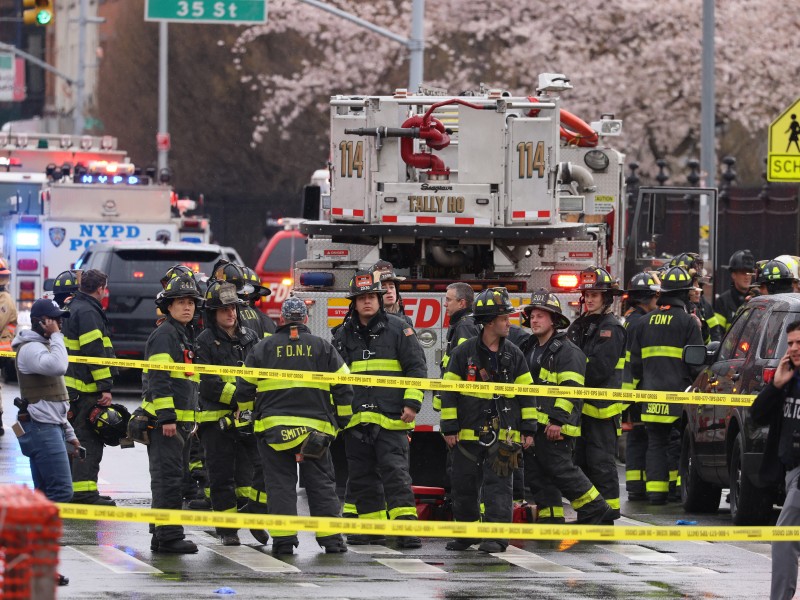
x,y
149,265
751,332
775,327
731,339
284,254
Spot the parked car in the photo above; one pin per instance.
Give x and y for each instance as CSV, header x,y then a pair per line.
x,y
721,446
134,273
275,268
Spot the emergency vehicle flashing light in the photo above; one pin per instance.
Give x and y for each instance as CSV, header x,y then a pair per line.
x,y
28,238
316,280
564,281
104,167
10,162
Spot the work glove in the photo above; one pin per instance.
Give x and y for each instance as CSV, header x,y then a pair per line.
x,y
507,458
315,445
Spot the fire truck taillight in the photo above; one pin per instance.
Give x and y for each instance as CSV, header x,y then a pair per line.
x,y
27,264
564,281
27,290
316,280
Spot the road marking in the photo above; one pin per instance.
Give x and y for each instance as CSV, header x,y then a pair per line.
x,y
372,549
115,560
246,556
308,585
409,566
532,562
685,570
638,553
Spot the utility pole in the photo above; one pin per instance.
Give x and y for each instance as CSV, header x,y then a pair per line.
x,y
80,86
163,91
708,151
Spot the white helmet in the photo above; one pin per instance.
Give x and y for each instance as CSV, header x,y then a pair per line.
x,y
793,262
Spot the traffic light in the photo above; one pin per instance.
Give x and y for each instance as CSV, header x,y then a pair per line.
x,y
37,12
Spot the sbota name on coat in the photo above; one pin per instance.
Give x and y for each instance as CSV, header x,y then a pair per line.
x,y
289,350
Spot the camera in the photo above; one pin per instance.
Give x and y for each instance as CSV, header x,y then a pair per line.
x,y
229,421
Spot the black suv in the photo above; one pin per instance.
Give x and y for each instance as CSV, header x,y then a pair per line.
x,y
721,446
134,273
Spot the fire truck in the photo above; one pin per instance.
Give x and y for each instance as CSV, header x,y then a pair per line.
x,y
49,218
487,188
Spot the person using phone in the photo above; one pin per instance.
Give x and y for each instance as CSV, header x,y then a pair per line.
x,y
43,431
778,405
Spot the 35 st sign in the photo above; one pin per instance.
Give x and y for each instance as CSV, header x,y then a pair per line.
x,y
206,11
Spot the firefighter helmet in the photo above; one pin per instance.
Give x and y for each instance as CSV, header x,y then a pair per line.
x,y
774,271
597,279
644,284
294,310
182,286
175,271
491,303
221,293
691,261
251,278
742,260
365,282
793,262
676,279
544,300
225,270
110,423
385,268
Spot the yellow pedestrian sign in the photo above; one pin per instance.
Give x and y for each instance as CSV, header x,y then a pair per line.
x,y
783,160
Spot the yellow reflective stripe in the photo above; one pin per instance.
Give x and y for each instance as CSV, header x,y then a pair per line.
x,y
626,385
722,321
571,430
662,351
90,336
673,476
84,486
627,356
603,413
620,363
524,379
77,384
349,509
452,376
227,393
376,364
72,344
613,502
378,419
445,360
403,511
570,376
344,411
550,512
530,413
378,515
162,357
712,322
586,498
658,418
548,376
290,444
564,405
657,486
211,416
413,394
104,373
265,423
437,403
449,414
106,342
164,403
268,385
469,435
192,377
343,370
637,475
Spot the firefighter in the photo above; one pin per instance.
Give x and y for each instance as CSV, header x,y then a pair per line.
x,y
487,432
775,278
65,285
793,262
170,399
8,318
694,265
86,333
392,302
253,297
231,455
741,267
246,287
601,337
296,421
376,440
656,364
549,467
642,292
458,300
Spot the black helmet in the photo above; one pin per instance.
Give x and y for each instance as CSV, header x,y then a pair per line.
x,y
491,303
597,279
773,271
182,286
221,293
385,268
676,279
742,260
175,272
67,282
544,300
251,279
225,270
365,282
691,261
110,422
644,284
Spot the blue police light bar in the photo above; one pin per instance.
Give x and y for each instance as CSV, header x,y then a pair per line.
x,y
28,238
192,240
316,279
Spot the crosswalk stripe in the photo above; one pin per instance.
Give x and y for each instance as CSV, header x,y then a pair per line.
x,y
532,562
637,553
409,566
372,549
115,560
246,556
685,570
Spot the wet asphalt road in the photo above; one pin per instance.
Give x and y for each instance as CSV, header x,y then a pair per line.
x,y
113,560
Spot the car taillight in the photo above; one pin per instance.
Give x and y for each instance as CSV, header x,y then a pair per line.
x,y
138,274
767,373
564,281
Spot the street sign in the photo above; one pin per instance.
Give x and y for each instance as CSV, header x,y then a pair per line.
x,y
206,11
7,76
783,159
163,142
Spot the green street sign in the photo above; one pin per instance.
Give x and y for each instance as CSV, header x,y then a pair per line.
x,y
206,11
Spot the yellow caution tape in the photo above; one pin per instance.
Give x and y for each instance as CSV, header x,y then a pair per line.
x,y
516,531
509,389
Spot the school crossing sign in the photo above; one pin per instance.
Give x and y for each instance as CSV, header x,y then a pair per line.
x,y
783,159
